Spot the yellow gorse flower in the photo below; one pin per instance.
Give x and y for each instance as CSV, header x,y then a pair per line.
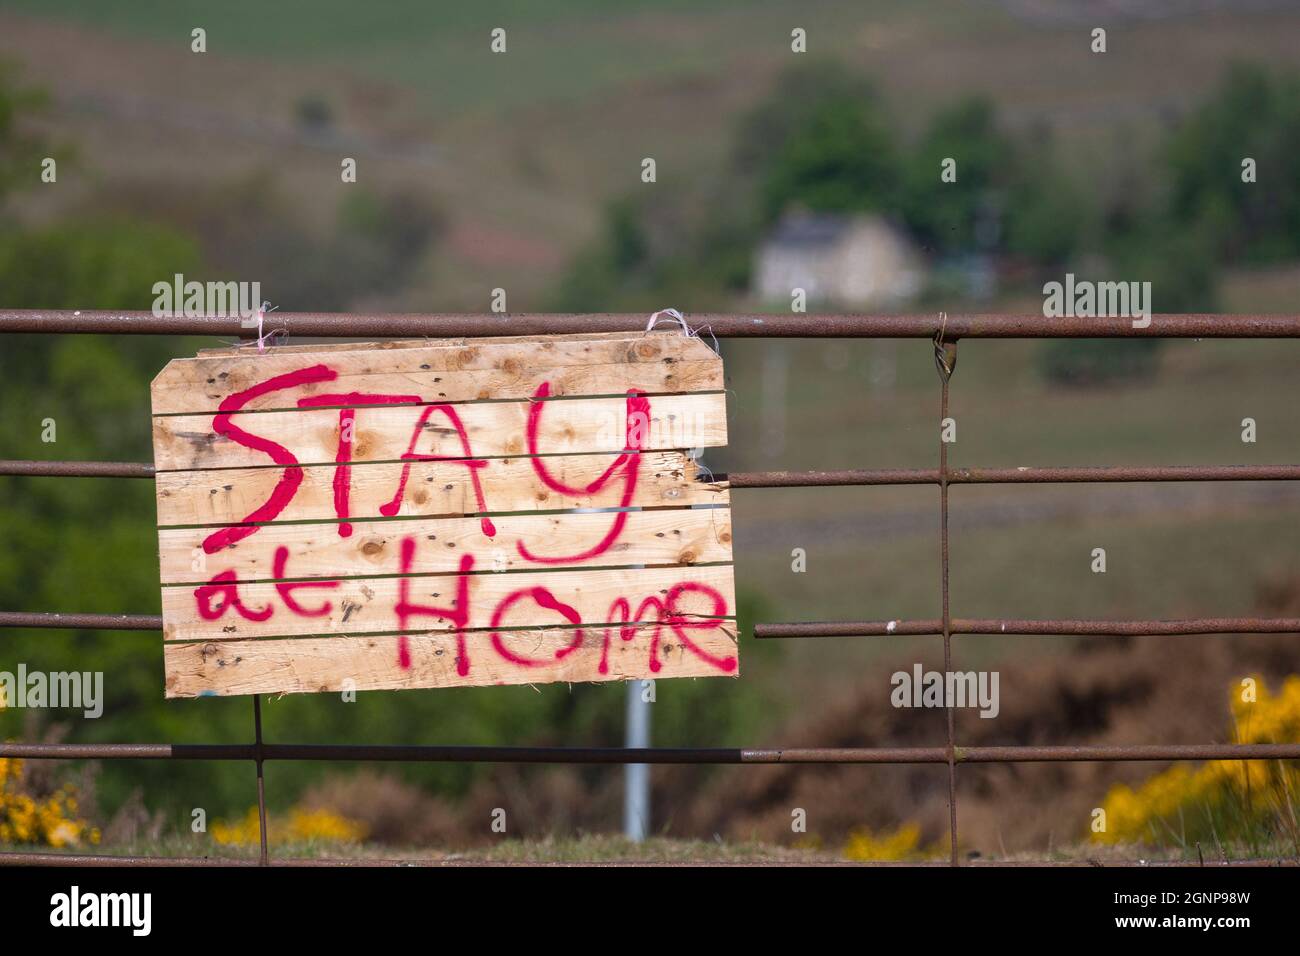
x,y
298,827
902,844
50,820
1166,801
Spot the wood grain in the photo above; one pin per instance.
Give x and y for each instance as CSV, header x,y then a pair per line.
x,y
455,371
433,488
335,664
673,537
494,429
366,605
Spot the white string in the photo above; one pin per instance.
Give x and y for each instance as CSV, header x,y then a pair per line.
x,y
671,314
261,317
695,454
675,316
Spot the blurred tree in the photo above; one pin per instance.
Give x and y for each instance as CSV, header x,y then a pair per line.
x,y
948,216
247,229
81,544
20,149
1253,115
780,115
839,158
1047,219
612,267
1143,244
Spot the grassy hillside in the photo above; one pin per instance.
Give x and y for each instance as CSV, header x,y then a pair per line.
x,y
522,150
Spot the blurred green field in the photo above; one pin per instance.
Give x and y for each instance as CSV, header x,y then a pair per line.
x,y
522,151
438,49
1175,550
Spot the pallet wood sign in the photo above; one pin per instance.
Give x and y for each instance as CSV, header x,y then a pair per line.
x,y
442,513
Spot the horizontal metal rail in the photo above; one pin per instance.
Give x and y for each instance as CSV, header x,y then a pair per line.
x,y
777,325
814,479
657,755
106,860
900,628
78,469
1058,628
1010,476
82,622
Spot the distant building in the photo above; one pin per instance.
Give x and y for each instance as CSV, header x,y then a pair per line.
x,y
842,261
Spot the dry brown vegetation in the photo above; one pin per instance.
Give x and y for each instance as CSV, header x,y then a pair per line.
x,y
1103,691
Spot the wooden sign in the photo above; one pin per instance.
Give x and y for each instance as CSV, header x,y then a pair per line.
x,y
420,514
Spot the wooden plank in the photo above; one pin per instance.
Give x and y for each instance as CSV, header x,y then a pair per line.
x,y
433,488
672,537
303,547
475,385
492,429
368,605
451,372
374,663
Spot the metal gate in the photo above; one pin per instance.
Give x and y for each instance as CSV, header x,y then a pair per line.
x,y
942,332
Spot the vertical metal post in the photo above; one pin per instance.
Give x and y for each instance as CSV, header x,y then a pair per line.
x,y
945,358
636,776
636,735
261,784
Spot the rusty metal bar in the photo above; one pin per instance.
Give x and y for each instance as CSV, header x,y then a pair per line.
x,y
945,360
96,860
924,627
1129,753
128,751
82,622
1115,473
1070,627
782,325
821,479
260,750
78,469
1010,476
1042,628
401,753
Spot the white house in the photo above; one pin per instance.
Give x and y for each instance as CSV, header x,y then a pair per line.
x,y
842,261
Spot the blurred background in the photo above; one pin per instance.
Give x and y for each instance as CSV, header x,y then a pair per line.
x,y
773,168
